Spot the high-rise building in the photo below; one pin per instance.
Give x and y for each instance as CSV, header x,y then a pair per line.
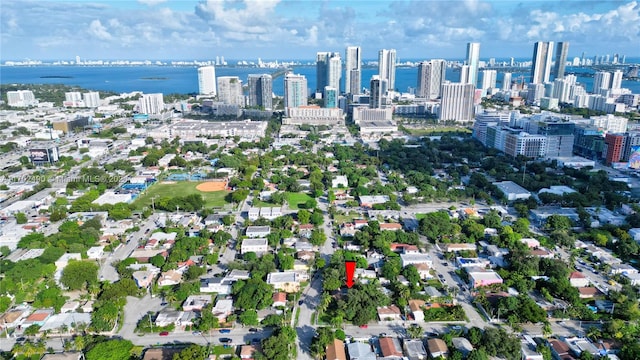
x,y
601,80
295,90
328,70
562,49
489,78
230,90
387,67
613,149
20,98
464,74
330,97
353,70
261,91
541,62
152,104
431,75
473,60
457,102
91,99
616,80
207,80
378,87
506,81
334,72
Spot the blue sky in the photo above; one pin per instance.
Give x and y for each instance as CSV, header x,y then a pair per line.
x,y
297,29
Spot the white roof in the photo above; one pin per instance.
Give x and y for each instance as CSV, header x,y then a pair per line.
x,y
282,277
110,197
509,187
56,321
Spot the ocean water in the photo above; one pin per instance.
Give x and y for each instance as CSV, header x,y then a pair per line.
x,y
184,79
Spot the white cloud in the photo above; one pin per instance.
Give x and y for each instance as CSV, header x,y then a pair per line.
x,y
151,2
98,30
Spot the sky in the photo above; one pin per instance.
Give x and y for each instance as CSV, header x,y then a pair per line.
x,y
297,29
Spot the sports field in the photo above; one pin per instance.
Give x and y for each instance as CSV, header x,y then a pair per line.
x,y
212,198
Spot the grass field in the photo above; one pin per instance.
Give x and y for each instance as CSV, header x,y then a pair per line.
x,y
420,216
295,199
346,218
180,188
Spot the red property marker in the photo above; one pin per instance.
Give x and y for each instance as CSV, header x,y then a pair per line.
x,y
350,267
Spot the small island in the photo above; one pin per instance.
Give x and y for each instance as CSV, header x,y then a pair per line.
x,y
56,77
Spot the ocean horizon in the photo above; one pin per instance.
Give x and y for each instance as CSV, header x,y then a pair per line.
x,y
184,79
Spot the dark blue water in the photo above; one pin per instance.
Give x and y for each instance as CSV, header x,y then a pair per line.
x,y
184,80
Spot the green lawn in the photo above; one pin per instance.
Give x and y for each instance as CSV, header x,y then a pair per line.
x,y
296,199
180,188
420,216
346,218
221,350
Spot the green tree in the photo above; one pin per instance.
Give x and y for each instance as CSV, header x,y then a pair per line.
x,y
78,275
21,218
304,216
414,331
111,350
249,317
192,352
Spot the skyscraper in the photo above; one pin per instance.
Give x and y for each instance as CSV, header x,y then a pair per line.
x,y
328,70
601,80
330,97
506,81
295,90
230,90
541,62
207,80
353,70
261,91
334,72
378,88
616,80
151,103
473,60
562,48
387,67
431,75
489,78
457,102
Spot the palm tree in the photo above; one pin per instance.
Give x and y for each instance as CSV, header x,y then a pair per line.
x,y
414,331
546,329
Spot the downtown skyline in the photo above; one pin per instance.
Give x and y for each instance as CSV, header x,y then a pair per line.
x,y
156,29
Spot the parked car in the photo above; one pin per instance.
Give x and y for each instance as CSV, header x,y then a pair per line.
x,y
253,330
364,326
164,333
197,333
224,331
225,340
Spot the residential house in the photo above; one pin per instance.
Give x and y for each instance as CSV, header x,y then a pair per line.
x,y
67,355
390,348
169,278
258,246
360,351
577,279
389,313
634,279
463,345
160,353
340,181
218,285
404,248
222,309
95,252
390,227
58,321
63,261
236,275
69,306
167,317
542,253
579,344
360,223
13,318
560,350
305,230
258,231
423,271
437,348
143,255
466,263
347,230
369,201
412,258
279,299
335,350
144,278
480,277
288,281
623,269
459,247
196,302
530,242
528,350
588,292
416,305
247,351
38,317
254,213
414,349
